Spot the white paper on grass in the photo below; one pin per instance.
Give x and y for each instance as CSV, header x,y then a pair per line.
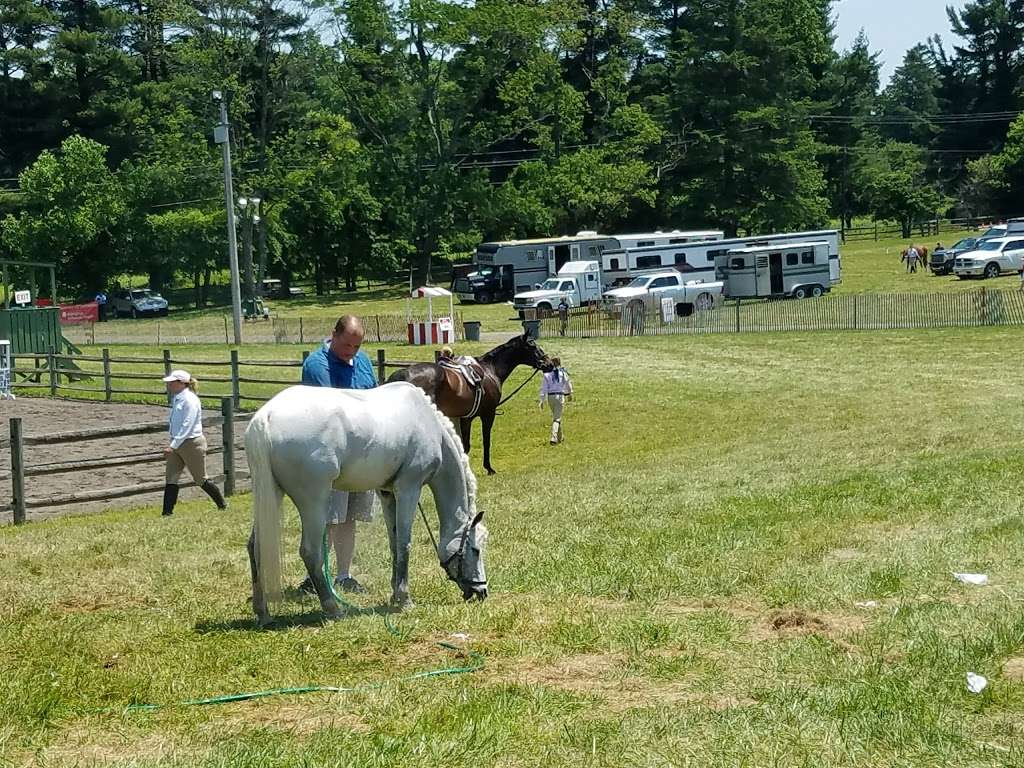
x,y
977,579
976,683
867,604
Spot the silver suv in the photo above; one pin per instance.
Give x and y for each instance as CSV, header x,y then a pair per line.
x,y
137,302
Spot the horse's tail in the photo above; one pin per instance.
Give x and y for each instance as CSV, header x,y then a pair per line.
x,y
267,496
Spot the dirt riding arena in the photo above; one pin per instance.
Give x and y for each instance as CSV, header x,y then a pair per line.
x,y
44,416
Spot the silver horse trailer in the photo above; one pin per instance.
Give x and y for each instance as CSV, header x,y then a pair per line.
x,y
796,270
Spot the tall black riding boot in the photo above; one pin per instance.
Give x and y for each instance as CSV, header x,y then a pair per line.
x,y
170,499
214,493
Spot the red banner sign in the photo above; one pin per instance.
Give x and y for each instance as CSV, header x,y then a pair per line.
x,y
79,314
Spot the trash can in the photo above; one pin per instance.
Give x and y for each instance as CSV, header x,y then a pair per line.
x,y
472,330
532,328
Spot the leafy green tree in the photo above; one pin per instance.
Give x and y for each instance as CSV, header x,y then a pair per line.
x,y
72,205
896,184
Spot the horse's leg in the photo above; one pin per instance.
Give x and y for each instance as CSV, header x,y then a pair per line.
x,y
259,600
487,421
465,430
313,513
405,511
388,506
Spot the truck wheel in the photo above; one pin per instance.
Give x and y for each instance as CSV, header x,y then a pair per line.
x,y
800,292
704,302
992,270
483,297
816,291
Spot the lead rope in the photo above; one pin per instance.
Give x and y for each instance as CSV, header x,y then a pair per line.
x,y
476,658
505,400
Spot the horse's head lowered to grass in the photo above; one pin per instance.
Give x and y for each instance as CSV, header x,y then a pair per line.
x,y
464,563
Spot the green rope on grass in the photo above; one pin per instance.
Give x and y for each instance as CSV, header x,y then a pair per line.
x,y
477,664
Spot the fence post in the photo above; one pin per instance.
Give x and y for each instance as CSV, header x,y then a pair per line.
x,y
226,330
158,333
737,315
227,409
236,393
167,368
17,472
108,390
51,361
301,339
855,311
380,365
876,231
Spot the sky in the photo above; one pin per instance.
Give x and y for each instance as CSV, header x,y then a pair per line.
x,y
892,26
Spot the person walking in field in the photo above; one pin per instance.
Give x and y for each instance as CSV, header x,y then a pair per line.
x,y
911,256
187,447
339,363
556,389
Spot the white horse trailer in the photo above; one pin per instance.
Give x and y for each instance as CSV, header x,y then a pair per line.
x,y
796,270
697,259
533,261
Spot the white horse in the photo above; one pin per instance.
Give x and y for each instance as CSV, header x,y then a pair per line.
x,y
308,440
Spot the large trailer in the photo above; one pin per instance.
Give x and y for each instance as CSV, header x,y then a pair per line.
x,y
502,269
530,261
697,259
794,270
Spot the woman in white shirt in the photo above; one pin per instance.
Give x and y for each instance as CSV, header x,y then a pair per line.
x,y
188,445
556,388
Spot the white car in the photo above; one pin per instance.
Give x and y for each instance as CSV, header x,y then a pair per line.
x,y
137,302
650,289
991,258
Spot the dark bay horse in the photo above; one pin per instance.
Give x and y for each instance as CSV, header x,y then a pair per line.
x,y
457,400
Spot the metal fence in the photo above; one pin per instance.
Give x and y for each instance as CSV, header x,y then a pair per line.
x,y
832,312
217,330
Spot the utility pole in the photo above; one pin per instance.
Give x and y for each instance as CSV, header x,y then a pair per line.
x,y
221,136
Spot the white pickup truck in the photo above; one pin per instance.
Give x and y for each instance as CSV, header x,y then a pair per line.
x,y
578,282
649,290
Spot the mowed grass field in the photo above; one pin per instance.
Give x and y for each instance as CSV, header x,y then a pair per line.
x,y
868,267
677,584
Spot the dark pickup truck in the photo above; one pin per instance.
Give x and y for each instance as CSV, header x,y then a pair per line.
x,y
942,259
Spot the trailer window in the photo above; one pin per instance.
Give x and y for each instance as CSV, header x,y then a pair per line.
x,y
613,263
737,263
807,257
593,251
792,259
646,262
531,255
644,243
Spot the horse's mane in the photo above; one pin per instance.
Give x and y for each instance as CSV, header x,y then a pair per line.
x,y
448,425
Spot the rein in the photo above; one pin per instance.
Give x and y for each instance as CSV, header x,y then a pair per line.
x,y
516,390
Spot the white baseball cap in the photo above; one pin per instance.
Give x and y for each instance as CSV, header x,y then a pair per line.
x,y
179,375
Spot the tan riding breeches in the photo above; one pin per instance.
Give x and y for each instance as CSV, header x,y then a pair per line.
x,y
191,454
555,402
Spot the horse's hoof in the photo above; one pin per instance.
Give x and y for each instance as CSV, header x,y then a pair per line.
x,y
490,471
402,605
264,621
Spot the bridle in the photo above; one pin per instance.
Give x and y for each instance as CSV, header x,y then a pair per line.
x,y
460,577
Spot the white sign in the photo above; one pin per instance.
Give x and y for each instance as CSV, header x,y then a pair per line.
x,y
444,324
668,310
22,297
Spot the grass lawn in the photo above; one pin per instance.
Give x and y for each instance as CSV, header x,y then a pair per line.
x,y
678,584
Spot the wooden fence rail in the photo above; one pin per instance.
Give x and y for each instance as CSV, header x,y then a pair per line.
x,y
228,419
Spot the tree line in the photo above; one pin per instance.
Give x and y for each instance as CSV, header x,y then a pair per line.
x,y
380,136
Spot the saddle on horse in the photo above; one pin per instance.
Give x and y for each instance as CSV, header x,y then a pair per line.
x,y
464,377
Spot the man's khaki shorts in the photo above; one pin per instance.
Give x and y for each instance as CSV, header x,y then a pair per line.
x,y
191,454
343,506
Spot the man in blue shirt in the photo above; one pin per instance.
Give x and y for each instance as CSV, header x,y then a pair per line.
x,y
339,363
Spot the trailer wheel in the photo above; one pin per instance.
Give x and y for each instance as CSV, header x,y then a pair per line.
x,y
800,292
816,291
